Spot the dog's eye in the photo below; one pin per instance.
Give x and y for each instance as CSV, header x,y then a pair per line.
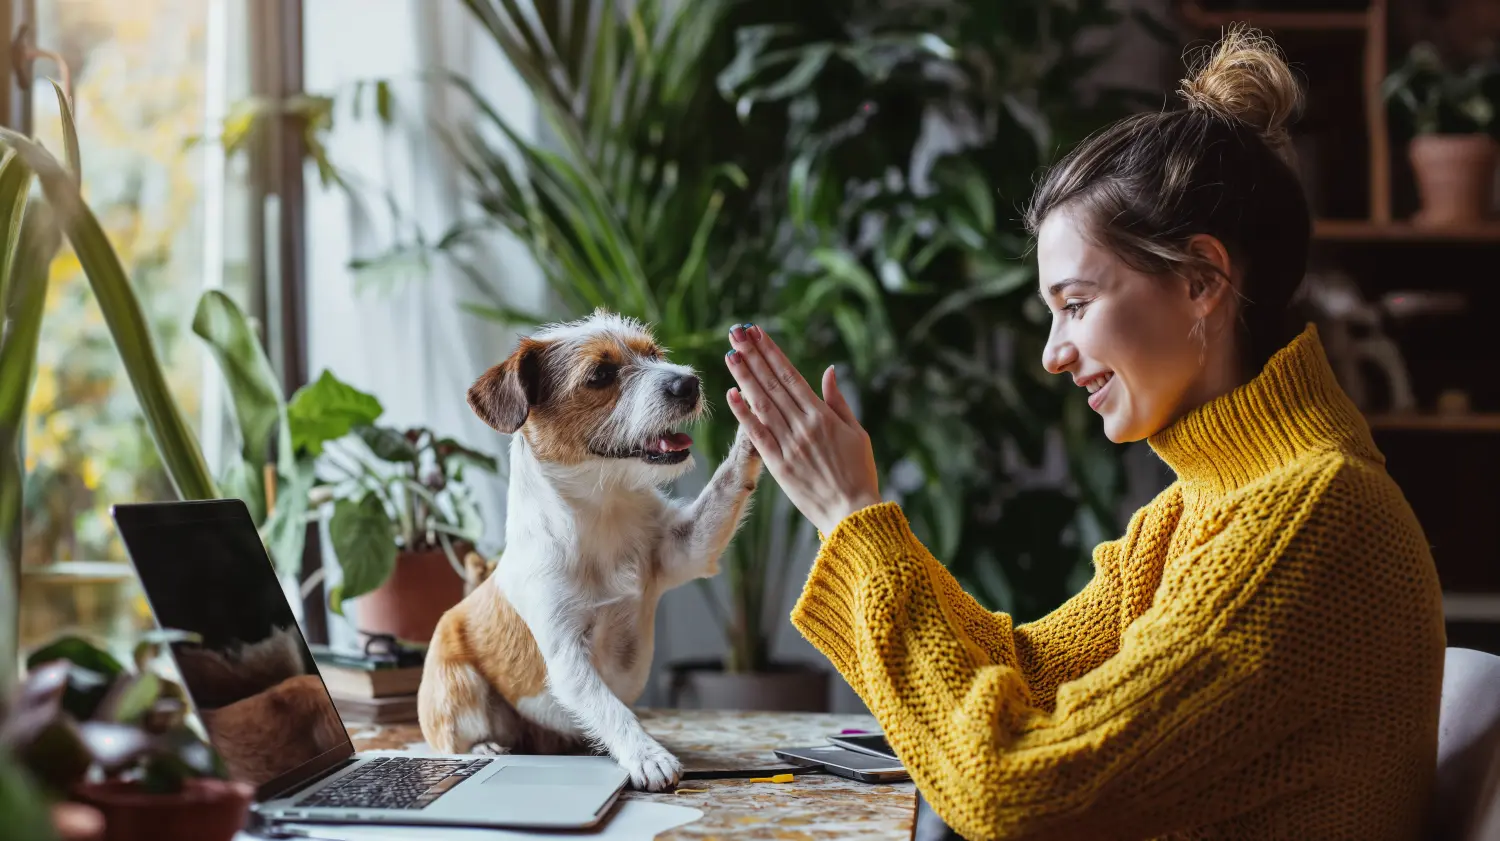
x,y
602,375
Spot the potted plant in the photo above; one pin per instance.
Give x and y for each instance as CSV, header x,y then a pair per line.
x,y
1453,151
401,520
121,741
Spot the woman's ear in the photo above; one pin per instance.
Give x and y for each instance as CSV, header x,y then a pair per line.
x,y
1211,275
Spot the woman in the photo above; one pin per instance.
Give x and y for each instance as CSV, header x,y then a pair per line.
x,y
1260,655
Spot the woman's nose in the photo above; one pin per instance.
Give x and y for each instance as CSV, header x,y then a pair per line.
x,y
1058,355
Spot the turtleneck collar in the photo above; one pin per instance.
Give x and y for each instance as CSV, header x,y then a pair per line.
x,y
1292,408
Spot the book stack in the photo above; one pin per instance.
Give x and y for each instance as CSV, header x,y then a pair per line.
x,y
370,690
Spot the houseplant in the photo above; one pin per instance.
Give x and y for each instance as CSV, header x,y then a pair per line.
x,y
1453,150
120,740
400,518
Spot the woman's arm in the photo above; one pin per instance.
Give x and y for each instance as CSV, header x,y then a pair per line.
x,y
1157,734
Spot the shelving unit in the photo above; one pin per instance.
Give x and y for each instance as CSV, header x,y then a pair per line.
x,y
1363,197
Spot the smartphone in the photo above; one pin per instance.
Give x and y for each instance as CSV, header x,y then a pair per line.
x,y
872,743
842,762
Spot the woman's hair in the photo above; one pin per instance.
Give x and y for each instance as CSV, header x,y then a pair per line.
x,y
1144,186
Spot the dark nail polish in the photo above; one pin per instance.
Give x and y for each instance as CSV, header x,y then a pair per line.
x,y
737,332
732,354
753,332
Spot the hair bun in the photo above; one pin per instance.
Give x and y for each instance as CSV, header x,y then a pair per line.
x,y
1245,78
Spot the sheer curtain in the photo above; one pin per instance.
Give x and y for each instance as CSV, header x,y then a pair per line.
x,y
401,335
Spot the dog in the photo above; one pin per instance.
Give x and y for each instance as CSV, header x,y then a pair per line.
x,y
549,652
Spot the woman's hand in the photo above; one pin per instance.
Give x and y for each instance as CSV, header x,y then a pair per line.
x,y
818,453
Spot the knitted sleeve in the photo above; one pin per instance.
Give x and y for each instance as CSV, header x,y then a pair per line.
x,y
1150,737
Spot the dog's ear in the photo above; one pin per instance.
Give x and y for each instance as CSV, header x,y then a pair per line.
x,y
504,395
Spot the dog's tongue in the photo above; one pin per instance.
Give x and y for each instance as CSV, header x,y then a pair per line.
x,y
675,442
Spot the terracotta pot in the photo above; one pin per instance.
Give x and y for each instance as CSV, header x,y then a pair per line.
x,y
785,687
1455,177
410,603
205,810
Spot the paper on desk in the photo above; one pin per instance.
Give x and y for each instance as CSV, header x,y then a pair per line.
x,y
634,820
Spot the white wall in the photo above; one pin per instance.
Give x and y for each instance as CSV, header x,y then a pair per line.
x,y
402,337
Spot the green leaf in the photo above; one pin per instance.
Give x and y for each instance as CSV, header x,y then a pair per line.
x,y
285,531
30,243
336,599
327,410
363,543
246,482
123,315
387,444
80,652
450,449
131,698
26,811
503,315
15,186
383,101
253,385
70,134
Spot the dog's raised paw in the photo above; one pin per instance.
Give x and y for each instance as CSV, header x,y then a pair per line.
x,y
489,749
654,769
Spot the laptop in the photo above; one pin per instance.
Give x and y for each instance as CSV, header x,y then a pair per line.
x,y
268,714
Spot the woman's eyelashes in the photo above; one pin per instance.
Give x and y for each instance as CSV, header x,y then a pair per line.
x,y
1074,306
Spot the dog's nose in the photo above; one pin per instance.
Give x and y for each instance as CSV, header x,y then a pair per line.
x,y
684,388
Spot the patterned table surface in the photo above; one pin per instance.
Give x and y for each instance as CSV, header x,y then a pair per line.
x,y
816,806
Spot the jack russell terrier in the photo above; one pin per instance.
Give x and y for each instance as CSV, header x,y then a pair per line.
x,y
547,654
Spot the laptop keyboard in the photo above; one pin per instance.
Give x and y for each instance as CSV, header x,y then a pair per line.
x,y
395,782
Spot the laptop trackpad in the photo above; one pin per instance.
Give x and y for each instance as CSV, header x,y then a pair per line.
x,y
533,775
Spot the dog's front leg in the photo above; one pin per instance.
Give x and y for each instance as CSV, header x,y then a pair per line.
x,y
700,531
578,687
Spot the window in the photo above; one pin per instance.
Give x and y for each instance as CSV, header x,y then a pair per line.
x,y
149,77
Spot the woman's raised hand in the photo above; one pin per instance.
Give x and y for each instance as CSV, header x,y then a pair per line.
x,y
818,453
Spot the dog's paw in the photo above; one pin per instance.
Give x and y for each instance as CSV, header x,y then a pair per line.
x,y
748,461
489,749
652,769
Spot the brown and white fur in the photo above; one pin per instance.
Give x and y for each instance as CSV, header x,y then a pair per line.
x,y
547,654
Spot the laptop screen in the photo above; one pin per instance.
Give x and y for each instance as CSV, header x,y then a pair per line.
x,y
252,678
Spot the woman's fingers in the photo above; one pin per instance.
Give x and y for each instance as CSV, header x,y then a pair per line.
x,y
779,378
761,404
835,398
765,443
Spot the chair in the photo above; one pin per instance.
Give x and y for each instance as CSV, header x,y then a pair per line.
x,y
1466,790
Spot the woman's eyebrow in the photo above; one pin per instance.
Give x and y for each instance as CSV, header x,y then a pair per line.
x,y
1059,286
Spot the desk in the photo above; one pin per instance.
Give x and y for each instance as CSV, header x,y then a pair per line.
x,y
816,806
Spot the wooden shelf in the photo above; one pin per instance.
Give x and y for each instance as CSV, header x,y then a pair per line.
x,y
1433,422
1278,21
1360,230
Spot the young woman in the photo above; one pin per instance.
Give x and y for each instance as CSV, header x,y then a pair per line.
x,y
1260,655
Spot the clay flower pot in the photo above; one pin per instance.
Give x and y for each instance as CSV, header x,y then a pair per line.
x,y
1455,174
409,604
204,810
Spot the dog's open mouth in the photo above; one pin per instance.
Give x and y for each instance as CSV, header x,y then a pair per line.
x,y
667,448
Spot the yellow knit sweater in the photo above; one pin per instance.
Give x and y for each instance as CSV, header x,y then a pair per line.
x,y
1259,656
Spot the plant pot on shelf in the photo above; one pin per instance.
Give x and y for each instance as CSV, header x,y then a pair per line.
x,y
411,601
783,687
204,810
1455,178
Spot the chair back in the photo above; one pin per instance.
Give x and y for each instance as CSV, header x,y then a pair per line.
x,y
1466,789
